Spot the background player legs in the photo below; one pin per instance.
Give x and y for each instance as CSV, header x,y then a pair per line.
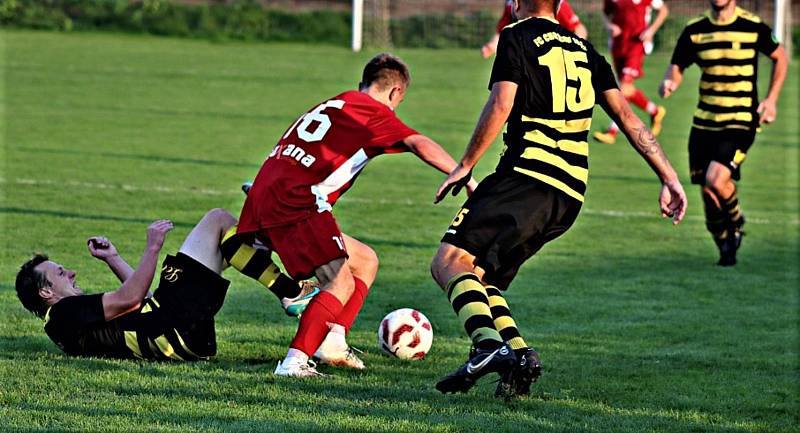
x,y
724,218
636,97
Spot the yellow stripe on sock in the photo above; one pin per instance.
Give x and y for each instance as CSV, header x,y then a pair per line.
x,y
517,343
504,322
269,275
242,256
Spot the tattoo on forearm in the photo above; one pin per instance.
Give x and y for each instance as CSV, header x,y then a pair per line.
x,y
645,141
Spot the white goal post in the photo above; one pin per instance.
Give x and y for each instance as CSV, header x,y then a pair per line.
x,y
358,25
378,17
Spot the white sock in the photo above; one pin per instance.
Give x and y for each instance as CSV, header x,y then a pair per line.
x,y
297,355
652,108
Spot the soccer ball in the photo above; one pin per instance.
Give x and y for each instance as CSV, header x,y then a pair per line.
x,y
406,334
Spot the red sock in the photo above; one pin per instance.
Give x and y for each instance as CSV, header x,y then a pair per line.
x,y
638,99
323,309
353,306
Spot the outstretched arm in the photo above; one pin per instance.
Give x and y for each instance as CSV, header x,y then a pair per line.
x,y
433,154
673,198
493,117
101,248
129,296
768,108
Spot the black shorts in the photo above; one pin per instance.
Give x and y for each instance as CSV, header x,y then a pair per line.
x,y
507,220
727,147
188,297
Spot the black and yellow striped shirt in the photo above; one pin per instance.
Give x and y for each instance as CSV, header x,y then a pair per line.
x,y
558,76
77,325
727,53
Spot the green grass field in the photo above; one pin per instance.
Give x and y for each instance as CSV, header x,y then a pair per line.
x,y
638,329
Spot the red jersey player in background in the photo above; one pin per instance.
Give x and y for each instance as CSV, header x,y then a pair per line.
x,y
565,16
288,208
627,23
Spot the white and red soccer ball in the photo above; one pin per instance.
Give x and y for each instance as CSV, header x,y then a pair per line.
x,y
406,334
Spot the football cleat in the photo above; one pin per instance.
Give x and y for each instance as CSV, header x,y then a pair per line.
x,y
293,367
657,120
295,306
605,137
729,246
335,351
246,185
517,381
483,362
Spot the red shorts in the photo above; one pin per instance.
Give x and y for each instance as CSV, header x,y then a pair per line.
x,y
305,245
629,66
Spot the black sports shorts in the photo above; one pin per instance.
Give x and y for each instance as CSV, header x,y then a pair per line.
x,y
188,297
727,147
508,218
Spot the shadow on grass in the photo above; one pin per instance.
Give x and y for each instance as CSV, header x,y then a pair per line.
x,y
83,216
139,157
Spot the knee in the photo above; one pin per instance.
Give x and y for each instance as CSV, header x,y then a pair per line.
x,y
446,262
714,184
370,258
221,218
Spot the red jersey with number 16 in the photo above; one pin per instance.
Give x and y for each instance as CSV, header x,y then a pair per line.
x,y
319,157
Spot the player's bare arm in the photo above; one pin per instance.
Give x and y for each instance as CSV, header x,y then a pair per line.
x,y
435,156
102,249
650,32
130,295
672,80
768,108
494,115
672,199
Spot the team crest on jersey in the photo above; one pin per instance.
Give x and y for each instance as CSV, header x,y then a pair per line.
x,y
296,152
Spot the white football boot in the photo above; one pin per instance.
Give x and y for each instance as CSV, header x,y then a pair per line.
x,y
294,367
335,351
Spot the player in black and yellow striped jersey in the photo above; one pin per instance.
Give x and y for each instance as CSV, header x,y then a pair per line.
x,y
176,323
545,83
725,43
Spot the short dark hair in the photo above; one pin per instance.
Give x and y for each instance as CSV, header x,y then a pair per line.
x,y
386,70
29,281
539,3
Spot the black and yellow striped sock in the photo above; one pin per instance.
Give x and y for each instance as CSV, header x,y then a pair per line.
x,y
257,264
716,219
470,302
733,211
503,321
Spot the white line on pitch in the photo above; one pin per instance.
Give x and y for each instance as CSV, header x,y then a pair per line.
x,y
381,201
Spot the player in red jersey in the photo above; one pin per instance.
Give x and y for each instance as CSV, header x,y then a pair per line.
x,y
288,207
631,33
565,16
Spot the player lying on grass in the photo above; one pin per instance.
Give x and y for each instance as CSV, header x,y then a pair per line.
x,y
289,205
176,322
545,83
